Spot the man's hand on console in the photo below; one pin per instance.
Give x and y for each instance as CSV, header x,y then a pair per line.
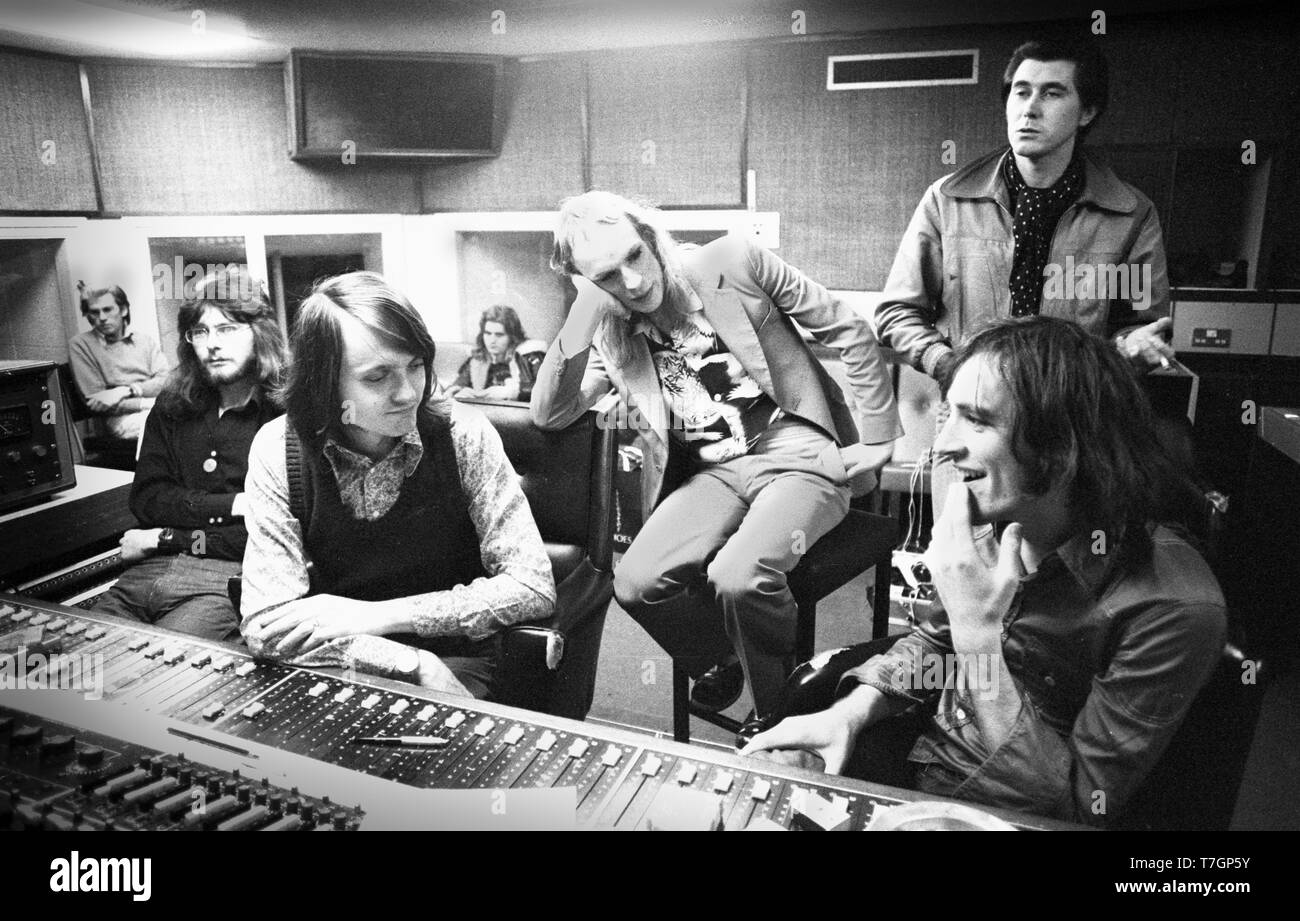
x,y
829,734
302,625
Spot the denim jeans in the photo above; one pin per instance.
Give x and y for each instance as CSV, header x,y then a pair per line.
x,y
180,592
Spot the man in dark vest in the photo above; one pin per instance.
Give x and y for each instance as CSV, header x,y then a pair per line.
x,y
387,531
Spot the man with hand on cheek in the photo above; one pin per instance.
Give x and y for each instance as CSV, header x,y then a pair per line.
x,y
1067,650
387,532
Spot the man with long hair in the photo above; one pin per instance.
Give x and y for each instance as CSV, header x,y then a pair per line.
x,y
118,370
504,362
701,347
1068,650
387,531
188,494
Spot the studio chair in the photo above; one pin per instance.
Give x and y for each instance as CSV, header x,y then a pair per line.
x,y
860,541
99,449
568,478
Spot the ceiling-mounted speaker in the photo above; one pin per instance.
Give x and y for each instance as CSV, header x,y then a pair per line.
x,y
349,107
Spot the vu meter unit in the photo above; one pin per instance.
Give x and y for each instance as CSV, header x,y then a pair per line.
x,y
35,445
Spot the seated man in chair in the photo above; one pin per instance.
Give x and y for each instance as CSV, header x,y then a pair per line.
x,y
188,492
702,349
118,370
1064,656
387,531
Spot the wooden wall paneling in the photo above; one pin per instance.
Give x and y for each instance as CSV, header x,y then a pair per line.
x,y
1148,169
667,124
41,103
195,140
541,151
1236,78
1144,77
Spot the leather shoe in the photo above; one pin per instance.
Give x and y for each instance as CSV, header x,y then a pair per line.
x,y
719,687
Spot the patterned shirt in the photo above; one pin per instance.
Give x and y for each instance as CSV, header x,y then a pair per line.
x,y
1036,214
518,585
369,488
718,410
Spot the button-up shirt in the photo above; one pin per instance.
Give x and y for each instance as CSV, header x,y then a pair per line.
x,y
1102,663
190,470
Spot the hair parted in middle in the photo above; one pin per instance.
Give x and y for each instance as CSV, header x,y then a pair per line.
x,y
509,320
311,393
241,299
1080,414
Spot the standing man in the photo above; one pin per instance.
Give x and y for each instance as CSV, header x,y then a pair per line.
x,y
118,370
188,494
701,347
1067,654
1039,228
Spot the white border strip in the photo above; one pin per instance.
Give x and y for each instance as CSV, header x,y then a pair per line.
x,y
830,69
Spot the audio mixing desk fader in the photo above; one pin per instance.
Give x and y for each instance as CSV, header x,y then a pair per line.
x,y
157,730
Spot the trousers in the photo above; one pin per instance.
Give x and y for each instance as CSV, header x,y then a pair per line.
x,y
716,552
180,592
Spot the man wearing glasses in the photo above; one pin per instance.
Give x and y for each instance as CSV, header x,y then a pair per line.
x,y
188,494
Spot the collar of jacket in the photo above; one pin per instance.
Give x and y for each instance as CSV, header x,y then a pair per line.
x,y
983,179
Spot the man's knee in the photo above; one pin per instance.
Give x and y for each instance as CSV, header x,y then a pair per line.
x,y
642,579
632,582
737,578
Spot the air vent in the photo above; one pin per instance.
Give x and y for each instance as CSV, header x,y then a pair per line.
x,y
909,68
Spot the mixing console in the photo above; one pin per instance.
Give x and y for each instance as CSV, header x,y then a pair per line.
x,y
154,729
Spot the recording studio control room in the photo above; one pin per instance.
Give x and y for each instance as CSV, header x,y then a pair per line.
x,y
443,415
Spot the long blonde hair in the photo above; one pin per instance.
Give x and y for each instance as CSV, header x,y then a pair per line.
x,y
581,212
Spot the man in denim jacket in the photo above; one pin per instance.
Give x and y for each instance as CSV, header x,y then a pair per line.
x,y
1041,227
1067,653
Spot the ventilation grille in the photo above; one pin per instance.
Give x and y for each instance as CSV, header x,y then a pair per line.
x,y
910,68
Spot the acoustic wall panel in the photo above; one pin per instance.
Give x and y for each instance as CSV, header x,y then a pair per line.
x,y
196,140
667,124
846,169
44,144
541,150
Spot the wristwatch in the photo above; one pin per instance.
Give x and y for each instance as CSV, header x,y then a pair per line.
x,y
171,542
408,663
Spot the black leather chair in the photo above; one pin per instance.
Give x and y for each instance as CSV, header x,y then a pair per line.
x,y
568,478
99,448
860,541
